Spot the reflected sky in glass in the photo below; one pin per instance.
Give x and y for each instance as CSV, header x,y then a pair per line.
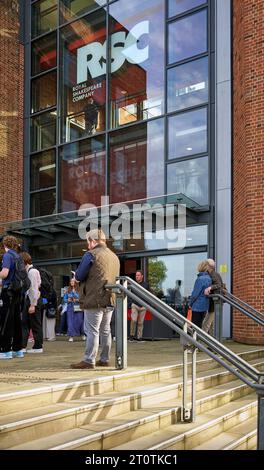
x,y
188,85
179,6
188,133
190,178
188,36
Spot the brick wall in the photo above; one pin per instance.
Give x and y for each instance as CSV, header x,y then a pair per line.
x,y
11,113
248,164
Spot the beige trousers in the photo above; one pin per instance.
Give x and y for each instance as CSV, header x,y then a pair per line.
x,y
137,319
208,323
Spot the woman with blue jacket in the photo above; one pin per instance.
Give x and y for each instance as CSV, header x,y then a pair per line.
x,y
74,312
199,301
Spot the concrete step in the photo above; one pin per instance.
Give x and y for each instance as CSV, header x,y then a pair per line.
x,y
166,400
30,425
58,393
232,439
84,407
187,436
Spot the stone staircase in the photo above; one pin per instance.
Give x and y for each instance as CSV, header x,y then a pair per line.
x,y
134,411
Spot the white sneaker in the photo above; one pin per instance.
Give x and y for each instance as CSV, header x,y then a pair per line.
x,y
35,351
51,339
83,337
70,339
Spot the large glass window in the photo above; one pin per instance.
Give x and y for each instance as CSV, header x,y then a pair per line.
x,y
188,36
172,277
44,17
180,6
83,76
43,131
43,203
188,85
187,133
43,170
82,173
44,92
189,178
136,161
44,54
70,9
137,60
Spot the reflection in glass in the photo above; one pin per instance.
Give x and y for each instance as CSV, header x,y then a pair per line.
x,y
60,250
43,170
44,17
44,92
83,76
43,203
188,133
188,85
137,161
188,36
44,54
43,131
161,240
82,173
179,6
190,178
171,277
164,239
70,9
137,60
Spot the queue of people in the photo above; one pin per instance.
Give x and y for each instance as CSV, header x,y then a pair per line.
x,y
87,307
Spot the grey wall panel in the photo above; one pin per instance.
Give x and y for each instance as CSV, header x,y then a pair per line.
x,y
223,196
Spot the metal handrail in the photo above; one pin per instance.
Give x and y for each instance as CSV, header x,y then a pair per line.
x,y
192,334
208,339
247,310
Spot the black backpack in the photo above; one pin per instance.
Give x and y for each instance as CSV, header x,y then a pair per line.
x,y
47,282
20,281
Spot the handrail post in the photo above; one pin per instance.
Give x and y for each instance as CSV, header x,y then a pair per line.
x,y
194,355
218,320
260,424
184,411
187,414
121,329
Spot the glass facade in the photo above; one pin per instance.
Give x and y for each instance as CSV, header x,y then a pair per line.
x,y
137,43
83,77
120,103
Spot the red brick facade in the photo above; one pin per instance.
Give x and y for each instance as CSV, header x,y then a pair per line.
x,y
11,113
248,164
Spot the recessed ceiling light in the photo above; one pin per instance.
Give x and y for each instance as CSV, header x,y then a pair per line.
x,y
189,148
132,244
133,161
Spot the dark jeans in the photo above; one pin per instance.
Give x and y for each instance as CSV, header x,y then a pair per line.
x,y
32,322
10,322
197,318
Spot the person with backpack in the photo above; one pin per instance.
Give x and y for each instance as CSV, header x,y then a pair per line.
x,y
50,304
31,312
14,279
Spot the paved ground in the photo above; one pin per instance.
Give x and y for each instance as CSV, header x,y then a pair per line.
x,y
53,366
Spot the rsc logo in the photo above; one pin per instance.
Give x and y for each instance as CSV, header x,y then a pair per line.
x,y
92,57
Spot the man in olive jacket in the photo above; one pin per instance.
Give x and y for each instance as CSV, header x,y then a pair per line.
x,y
98,267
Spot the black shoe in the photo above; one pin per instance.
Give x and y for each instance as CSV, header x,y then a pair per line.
x,y
131,339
